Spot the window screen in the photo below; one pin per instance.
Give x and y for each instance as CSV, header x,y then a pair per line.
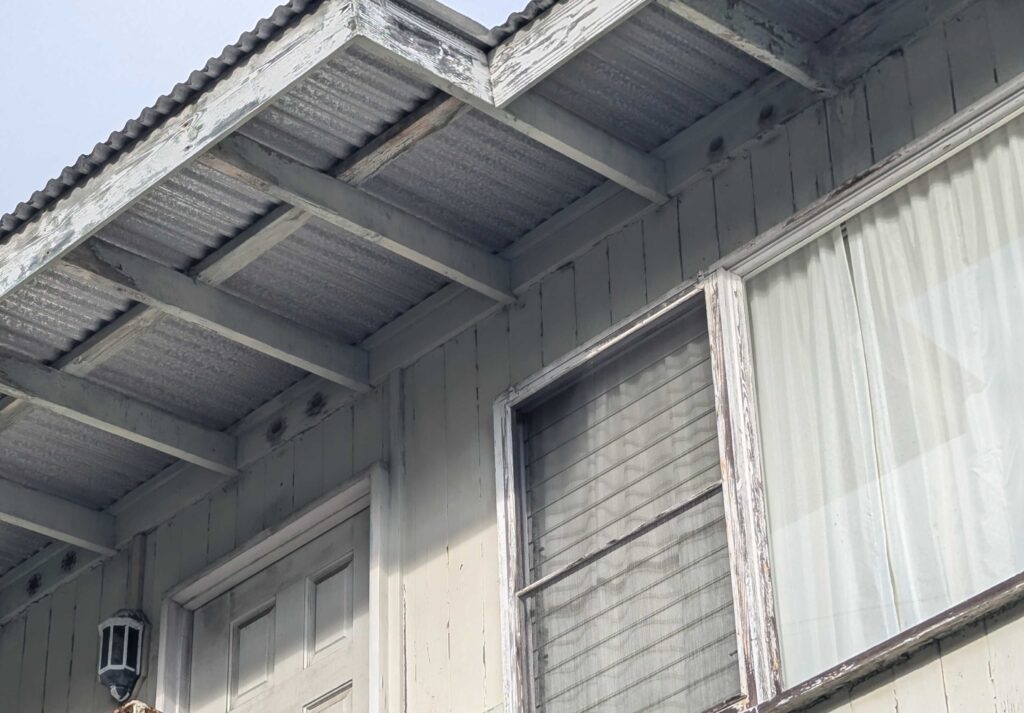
x,y
629,594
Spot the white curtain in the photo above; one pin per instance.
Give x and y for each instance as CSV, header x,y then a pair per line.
x,y
890,380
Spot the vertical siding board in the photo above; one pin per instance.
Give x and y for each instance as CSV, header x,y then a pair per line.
x,y
772,180
558,314
626,267
593,295
338,466
58,649
82,686
12,645
493,376
223,522
33,672
663,266
1006,24
888,100
309,467
698,227
468,517
971,60
164,568
1006,650
368,430
875,695
965,672
918,686
849,133
249,511
279,479
524,325
425,576
809,155
195,538
929,84
734,204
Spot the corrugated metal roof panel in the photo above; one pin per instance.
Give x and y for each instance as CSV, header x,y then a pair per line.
x,y
335,282
340,107
17,545
56,455
187,216
666,74
50,313
482,181
195,374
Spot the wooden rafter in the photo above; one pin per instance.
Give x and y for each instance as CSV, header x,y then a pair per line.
x,y
753,33
113,412
56,518
362,215
117,270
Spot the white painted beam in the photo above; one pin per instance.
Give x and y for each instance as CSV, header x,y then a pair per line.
x,y
363,215
228,104
113,412
238,253
751,32
142,280
56,518
550,41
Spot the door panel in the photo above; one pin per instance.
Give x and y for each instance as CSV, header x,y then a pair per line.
x,y
293,638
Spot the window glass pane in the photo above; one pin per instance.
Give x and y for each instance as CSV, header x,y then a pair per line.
x,y
890,391
649,625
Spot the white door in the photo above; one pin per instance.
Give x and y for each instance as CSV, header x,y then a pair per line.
x,y
293,638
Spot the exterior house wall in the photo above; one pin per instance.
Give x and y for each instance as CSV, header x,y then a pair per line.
x,y
449,543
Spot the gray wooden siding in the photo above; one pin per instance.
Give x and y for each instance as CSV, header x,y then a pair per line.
x,y
449,539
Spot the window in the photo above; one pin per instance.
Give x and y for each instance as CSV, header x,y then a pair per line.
x,y
890,392
625,589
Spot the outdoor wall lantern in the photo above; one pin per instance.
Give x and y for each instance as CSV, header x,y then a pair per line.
x,y
121,652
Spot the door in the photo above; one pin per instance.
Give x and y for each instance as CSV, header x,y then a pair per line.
x,y
293,638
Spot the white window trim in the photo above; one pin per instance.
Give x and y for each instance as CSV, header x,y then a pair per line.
x,y
370,489
515,633
743,480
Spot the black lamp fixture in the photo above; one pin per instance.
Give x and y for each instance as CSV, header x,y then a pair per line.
x,y
121,638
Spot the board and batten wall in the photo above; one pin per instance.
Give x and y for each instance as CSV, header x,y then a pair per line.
x,y
449,544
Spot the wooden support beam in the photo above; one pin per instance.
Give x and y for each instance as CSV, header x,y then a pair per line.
x,y
56,518
142,280
363,215
751,32
236,254
113,412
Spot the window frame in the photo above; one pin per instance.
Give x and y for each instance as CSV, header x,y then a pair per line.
x,y
723,287
754,658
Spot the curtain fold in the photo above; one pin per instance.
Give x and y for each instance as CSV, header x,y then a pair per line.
x,y
891,391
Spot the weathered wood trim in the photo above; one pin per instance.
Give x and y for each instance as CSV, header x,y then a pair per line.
x,y
554,38
42,575
56,518
743,481
370,490
137,278
363,215
115,413
238,253
511,552
898,648
756,35
216,113
421,123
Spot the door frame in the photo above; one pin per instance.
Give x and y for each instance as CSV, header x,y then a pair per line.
x,y
370,489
